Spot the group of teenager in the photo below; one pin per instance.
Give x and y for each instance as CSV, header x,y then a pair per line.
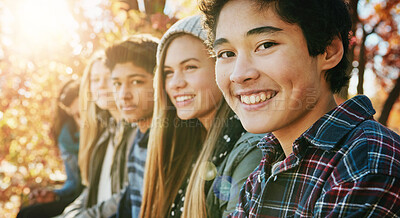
x,y
230,114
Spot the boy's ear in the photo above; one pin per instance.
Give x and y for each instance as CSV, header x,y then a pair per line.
x,y
333,54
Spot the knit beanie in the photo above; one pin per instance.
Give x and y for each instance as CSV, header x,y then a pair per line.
x,y
190,25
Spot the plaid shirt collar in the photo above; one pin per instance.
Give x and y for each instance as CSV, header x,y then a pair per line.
x,y
328,130
341,166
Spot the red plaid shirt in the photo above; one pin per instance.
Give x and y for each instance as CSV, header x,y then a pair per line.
x,y
346,164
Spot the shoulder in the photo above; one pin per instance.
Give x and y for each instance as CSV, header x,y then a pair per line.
x,y
245,155
383,147
246,144
373,149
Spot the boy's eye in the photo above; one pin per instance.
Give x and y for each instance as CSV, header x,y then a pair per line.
x,y
116,84
136,82
225,54
94,80
266,45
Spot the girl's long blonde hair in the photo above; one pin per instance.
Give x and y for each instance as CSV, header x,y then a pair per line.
x,y
174,145
195,197
90,125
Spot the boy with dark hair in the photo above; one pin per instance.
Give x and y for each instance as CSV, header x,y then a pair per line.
x,y
132,64
278,69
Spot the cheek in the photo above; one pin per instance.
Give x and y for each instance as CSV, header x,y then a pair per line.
x,y
222,78
110,86
147,95
117,93
211,94
93,87
168,89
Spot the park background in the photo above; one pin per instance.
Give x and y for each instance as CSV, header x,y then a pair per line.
x,y
44,43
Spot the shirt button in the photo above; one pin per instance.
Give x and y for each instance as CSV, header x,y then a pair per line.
x,y
259,178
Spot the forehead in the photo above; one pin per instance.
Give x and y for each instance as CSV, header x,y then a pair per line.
x,y
99,68
245,16
123,70
185,46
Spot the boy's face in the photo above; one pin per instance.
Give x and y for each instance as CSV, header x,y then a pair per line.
x,y
133,91
264,69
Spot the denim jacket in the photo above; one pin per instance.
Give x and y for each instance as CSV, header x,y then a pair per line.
x,y
68,143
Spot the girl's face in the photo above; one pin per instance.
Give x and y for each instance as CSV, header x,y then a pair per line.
x,y
190,79
101,86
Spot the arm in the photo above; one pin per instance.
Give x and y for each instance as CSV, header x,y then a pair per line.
x,y
77,206
102,209
72,185
373,195
124,206
69,153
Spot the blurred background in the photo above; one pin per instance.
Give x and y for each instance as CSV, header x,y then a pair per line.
x,y
44,43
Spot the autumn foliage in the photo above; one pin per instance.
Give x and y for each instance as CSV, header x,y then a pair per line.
x,y
35,62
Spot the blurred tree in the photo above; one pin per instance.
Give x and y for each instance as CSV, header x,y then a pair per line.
x,y
34,62
375,45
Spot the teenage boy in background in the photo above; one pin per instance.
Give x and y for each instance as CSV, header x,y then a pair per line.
x,y
132,64
278,69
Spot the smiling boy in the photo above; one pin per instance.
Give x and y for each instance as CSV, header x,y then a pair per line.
x,y
278,69
132,64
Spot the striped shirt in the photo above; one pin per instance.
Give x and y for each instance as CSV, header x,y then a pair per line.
x,y
345,164
132,198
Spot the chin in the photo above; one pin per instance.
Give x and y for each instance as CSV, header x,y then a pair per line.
x,y
101,105
130,120
252,127
185,116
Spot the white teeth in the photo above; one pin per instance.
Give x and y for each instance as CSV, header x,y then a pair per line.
x,y
257,98
184,98
245,99
263,96
252,99
269,95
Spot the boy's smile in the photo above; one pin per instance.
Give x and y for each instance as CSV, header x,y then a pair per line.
x,y
266,73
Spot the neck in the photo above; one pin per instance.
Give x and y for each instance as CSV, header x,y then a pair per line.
x,y
115,114
208,119
290,133
144,125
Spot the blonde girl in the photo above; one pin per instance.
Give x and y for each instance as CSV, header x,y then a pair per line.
x,y
103,144
193,126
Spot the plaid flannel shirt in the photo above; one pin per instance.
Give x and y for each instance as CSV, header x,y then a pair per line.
x,y
346,164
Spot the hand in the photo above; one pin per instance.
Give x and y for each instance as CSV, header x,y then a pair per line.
x,y
41,196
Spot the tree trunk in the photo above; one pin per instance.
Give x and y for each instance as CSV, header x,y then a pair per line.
x,y
353,6
132,4
390,101
362,61
154,6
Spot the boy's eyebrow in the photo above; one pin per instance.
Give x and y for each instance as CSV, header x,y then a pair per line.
x,y
255,31
219,42
263,29
129,76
